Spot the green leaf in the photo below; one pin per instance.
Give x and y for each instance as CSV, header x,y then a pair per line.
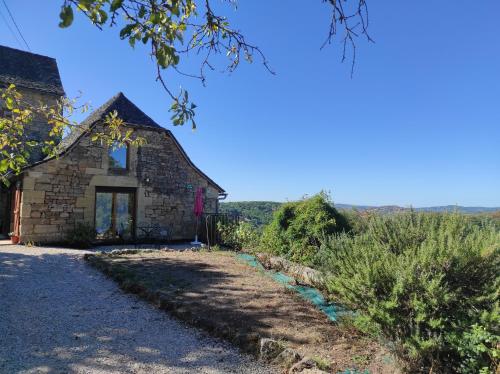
x,y
66,16
103,17
163,57
84,5
9,103
4,164
154,18
142,11
115,4
127,30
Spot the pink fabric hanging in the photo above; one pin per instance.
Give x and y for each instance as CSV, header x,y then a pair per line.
x,y
198,202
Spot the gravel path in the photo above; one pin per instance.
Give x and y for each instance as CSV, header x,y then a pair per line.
x,y
58,315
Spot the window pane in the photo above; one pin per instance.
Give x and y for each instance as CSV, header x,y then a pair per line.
x,y
118,157
114,215
103,215
124,219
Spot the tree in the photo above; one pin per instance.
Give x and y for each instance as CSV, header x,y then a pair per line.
x,y
172,29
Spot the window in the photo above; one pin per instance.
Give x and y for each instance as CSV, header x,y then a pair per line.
x,y
114,213
118,156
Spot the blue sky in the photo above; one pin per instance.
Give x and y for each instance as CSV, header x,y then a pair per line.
x,y
418,124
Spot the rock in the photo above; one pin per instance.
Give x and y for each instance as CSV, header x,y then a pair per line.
x,y
287,358
270,349
305,275
305,363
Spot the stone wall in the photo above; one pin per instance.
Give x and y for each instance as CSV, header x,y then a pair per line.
x,y
38,130
61,192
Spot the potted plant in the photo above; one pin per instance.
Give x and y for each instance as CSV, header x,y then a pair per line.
x,y
14,238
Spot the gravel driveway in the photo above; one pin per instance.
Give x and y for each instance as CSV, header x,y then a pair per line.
x,y
58,315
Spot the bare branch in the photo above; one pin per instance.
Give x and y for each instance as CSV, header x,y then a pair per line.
x,y
354,21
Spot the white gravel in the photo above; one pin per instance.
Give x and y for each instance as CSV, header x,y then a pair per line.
x,y
58,315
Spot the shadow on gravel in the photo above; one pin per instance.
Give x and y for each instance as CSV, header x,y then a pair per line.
x,y
227,298
199,293
59,315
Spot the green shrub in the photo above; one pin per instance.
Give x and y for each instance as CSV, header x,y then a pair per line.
x,y
356,220
427,282
82,235
297,228
238,236
478,349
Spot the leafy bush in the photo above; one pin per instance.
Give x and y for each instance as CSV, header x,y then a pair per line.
x,y
238,236
297,228
477,350
426,282
82,235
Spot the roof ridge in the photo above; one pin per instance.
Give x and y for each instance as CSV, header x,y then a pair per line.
x,y
27,52
127,111
106,104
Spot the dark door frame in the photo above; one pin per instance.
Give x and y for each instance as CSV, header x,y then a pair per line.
x,y
5,210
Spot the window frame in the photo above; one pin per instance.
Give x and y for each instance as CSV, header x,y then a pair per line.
x,y
127,159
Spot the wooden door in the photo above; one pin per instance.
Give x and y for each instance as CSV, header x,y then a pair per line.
x,y
15,220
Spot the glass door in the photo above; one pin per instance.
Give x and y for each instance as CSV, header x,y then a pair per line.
x,y
114,214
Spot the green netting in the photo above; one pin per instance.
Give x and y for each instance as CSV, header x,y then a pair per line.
x,y
310,294
250,260
282,278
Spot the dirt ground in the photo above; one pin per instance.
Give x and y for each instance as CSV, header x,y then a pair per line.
x,y
219,293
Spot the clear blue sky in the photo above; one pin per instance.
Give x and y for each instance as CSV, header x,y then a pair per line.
x,y
419,123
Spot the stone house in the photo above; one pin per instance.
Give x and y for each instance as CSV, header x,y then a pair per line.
x,y
125,193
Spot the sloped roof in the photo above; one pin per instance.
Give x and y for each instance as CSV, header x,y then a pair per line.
x,y
127,111
29,70
131,116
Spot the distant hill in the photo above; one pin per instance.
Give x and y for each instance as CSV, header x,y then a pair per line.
x,y
443,208
260,213
463,209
